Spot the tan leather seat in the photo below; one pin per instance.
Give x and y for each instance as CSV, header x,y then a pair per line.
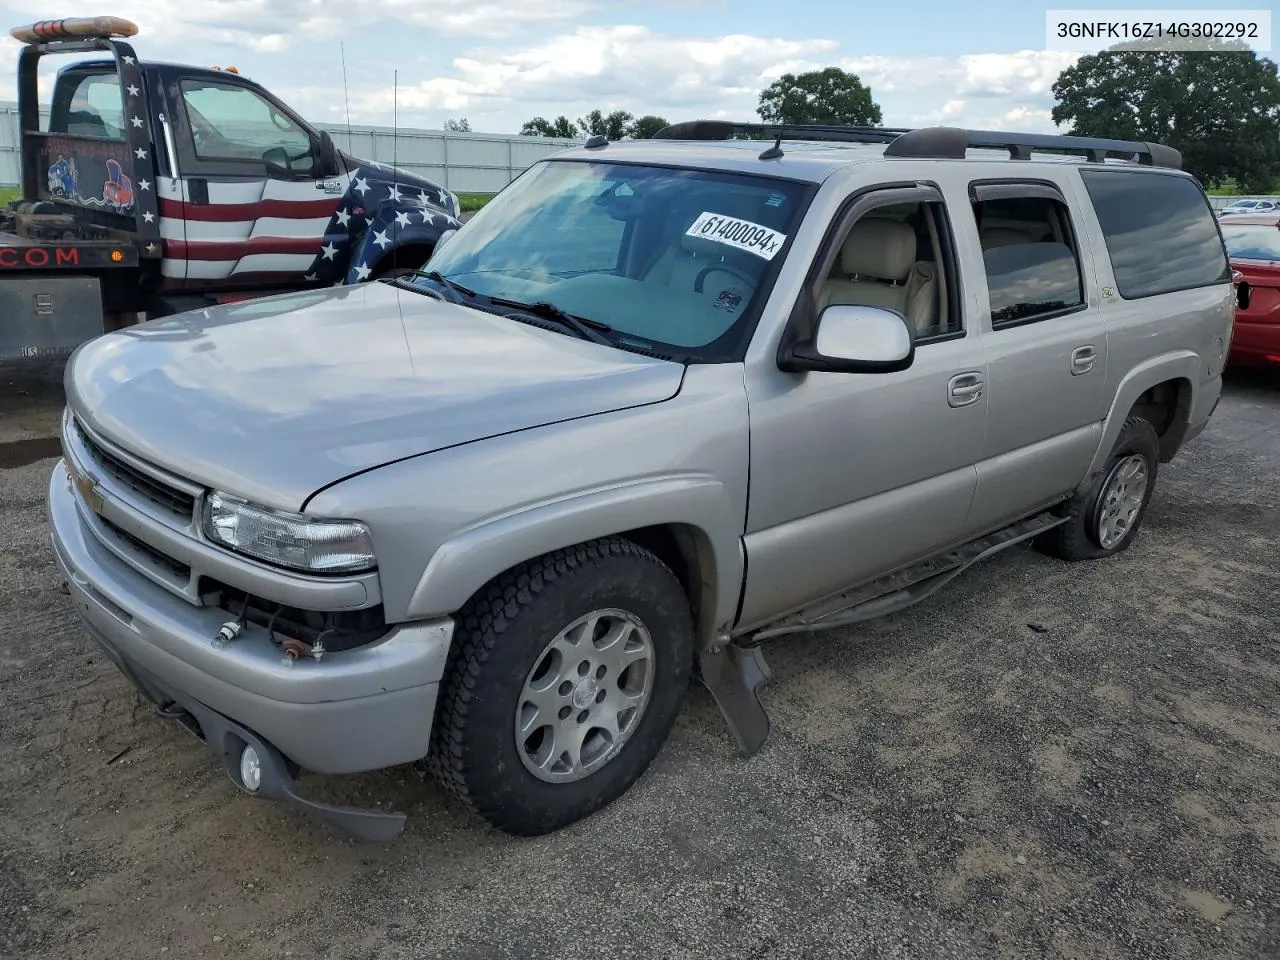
x,y
879,269
722,273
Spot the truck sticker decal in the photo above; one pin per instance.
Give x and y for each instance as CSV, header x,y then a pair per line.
x,y
63,178
728,300
117,192
754,238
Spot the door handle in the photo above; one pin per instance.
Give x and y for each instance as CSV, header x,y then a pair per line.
x,y
964,389
1082,360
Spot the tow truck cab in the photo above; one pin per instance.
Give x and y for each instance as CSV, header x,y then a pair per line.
x,y
159,187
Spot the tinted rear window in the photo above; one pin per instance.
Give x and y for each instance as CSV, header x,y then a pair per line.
x,y
1160,231
1028,279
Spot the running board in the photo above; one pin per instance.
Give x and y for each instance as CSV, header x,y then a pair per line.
x,y
903,589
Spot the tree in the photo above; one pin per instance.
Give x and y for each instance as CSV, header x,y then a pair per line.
x,y
561,127
643,128
457,126
829,96
1220,108
614,126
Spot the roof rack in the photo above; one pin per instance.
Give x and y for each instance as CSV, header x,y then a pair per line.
x,y
943,143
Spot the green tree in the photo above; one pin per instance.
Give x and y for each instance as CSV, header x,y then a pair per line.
x,y
1220,108
829,96
614,125
643,128
458,126
561,127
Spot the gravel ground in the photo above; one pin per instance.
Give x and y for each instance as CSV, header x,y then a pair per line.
x,y
1046,760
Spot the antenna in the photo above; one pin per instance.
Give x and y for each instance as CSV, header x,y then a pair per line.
x,y
395,137
346,100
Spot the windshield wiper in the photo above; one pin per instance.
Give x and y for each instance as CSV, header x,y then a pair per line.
x,y
444,281
584,327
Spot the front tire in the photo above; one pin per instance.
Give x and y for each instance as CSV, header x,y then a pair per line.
x,y
1105,519
564,680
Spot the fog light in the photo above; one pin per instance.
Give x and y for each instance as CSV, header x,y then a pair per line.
x,y
250,770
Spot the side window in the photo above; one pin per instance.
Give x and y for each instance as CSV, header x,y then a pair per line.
x,y
94,108
899,256
1031,259
1160,232
231,122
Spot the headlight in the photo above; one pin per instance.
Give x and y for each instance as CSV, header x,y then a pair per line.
x,y
288,539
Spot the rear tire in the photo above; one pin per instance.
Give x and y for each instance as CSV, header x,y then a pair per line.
x,y
525,736
1105,519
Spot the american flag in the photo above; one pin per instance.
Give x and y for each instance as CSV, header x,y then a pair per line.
x,y
331,232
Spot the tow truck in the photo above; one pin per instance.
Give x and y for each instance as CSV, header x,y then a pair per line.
x,y
157,188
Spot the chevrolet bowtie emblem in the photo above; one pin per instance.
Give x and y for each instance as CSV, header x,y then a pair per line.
x,y
88,490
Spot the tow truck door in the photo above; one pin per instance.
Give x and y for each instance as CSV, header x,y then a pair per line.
x,y
251,196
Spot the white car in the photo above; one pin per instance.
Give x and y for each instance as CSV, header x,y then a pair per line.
x,y
1249,206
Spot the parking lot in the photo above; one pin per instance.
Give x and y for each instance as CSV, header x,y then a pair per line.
x,y
1045,760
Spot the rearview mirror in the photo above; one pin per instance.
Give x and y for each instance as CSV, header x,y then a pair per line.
x,y
855,339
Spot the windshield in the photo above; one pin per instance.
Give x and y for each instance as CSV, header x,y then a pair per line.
x,y
1252,241
665,258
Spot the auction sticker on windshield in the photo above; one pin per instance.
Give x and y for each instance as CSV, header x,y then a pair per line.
x,y
743,234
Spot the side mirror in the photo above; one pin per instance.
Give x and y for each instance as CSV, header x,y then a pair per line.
x,y
326,156
855,339
445,238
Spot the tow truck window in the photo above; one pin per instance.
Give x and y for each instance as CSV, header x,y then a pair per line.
x,y
230,122
94,108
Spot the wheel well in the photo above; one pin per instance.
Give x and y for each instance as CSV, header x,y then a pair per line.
x,y
1167,407
411,255
685,550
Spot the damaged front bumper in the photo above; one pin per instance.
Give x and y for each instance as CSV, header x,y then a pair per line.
x,y
364,709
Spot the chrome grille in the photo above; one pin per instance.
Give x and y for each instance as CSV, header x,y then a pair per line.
x,y
174,568
175,501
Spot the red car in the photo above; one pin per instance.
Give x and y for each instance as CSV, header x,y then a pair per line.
x,y
1253,243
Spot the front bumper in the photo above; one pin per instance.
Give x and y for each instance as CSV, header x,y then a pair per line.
x,y
352,711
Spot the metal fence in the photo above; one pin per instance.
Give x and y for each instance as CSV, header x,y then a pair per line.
x,y
462,162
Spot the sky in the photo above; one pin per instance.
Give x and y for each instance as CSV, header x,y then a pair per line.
x,y
500,62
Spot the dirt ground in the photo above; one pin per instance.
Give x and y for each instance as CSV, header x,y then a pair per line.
x,y
1047,760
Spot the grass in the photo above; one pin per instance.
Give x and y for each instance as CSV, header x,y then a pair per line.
x,y
471,202
7,194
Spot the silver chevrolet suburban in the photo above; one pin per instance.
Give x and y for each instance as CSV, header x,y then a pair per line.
x,y
658,403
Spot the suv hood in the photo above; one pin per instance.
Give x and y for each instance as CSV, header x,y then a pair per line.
x,y
272,399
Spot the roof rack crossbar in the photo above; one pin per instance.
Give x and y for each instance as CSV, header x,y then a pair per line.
x,y
730,130
952,142
929,142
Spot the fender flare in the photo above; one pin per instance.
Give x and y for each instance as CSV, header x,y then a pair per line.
x,y
1176,365
473,556
367,252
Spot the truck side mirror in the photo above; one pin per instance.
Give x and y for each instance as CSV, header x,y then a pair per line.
x,y
326,156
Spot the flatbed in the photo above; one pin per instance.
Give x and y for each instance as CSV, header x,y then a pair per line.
x,y
157,188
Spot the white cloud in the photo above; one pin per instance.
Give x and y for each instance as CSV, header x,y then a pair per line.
x,y
1030,72
272,25
501,62
627,67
